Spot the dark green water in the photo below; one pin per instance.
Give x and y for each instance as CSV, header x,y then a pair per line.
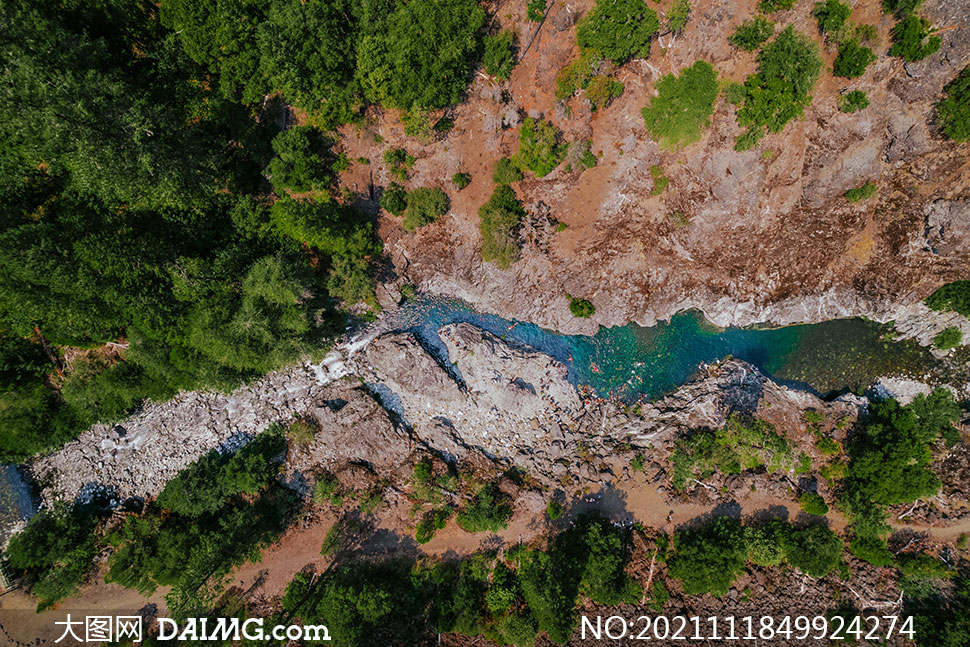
x,y
631,362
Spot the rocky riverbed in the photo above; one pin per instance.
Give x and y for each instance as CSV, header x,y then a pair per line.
x,y
488,403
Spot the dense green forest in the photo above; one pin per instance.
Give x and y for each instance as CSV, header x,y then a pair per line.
x,y
135,142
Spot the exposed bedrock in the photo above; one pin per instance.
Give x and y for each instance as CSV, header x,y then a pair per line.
x,y
489,404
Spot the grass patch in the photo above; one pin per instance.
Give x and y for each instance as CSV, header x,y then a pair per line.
x,y
864,192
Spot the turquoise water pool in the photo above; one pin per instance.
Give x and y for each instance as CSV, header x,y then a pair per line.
x,y
631,362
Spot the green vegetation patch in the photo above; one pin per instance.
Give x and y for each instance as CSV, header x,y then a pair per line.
x,y
499,57
954,109
394,199
506,171
461,180
948,338
913,39
860,193
852,59
683,106
742,444
539,147
660,180
602,90
769,6
581,307
677,15
831,15
299,164
788,68
618,29
424,206
499,220
813,504
952,296
489,510
853,101
751,34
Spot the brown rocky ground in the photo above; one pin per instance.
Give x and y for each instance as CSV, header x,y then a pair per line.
x,y
769,235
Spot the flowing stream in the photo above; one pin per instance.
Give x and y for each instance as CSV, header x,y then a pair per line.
x,y
632,362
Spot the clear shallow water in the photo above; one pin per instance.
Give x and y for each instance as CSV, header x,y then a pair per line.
x,y
632,362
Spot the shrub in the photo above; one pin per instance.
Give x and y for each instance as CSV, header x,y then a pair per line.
x,y
506,172
813,504
750,34
852,59
421,55
769,6
787,70
831,15
912,39
872,550
577,75
490,509
683,106
952,296
461,180
499,57
677,15
948,338
418,124
864,192
901,8
734,93
56,548
638,463
301,432
431,522
660,181
828,446
764,543
327,489
536,10
853,101
424,206
538,148
618,29
554,509
708,559
742,444
299,162
499,225
954,109
602,90
889,459
394,199
814,550
580,307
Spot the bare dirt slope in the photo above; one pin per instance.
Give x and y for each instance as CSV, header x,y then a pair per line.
x,y
768,233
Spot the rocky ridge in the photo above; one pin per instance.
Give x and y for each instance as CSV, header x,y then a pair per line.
x,y
488,405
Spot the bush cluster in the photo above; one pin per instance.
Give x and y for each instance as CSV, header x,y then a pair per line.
x,y
952,296
539,147
499,226
424,206
787,70
954,109
864,192
709,558
618,29
499,57
683,106
581,307
853,101
508,600
751,34
742,444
